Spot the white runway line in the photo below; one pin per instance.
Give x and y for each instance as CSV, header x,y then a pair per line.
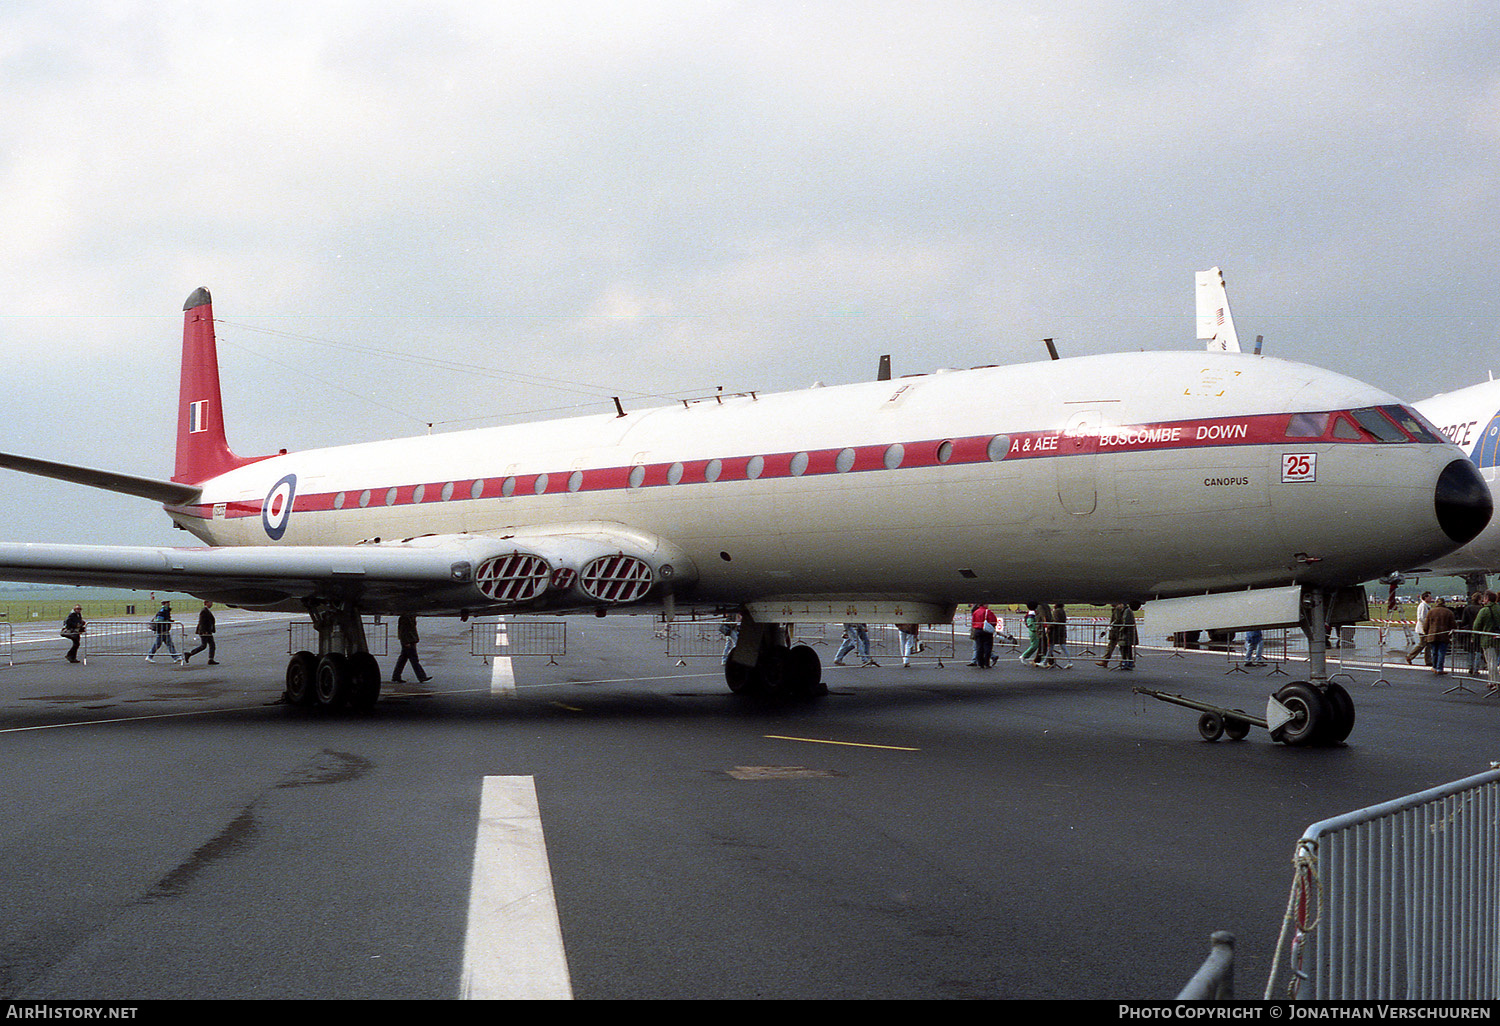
x,y
502,673
513,947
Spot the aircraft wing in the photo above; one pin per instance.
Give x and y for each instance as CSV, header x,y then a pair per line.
x,y
169,492
571,567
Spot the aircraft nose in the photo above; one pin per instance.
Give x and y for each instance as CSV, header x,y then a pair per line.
x,y
1463,501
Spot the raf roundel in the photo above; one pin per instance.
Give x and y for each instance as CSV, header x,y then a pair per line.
x,y
277,510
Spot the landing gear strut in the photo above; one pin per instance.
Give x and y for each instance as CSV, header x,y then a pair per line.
x,y
1320,711
342,672
763,662
1315,711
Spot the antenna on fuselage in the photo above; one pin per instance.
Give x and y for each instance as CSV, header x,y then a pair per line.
x,y
1051,349
1258,340
884,373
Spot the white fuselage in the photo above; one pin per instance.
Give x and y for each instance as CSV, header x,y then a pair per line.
x,y
1470,419
1125,476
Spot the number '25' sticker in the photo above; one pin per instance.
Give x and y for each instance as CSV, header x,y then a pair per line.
x,y
1299,466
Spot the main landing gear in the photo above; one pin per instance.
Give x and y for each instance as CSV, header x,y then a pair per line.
x,y
763,662
343,673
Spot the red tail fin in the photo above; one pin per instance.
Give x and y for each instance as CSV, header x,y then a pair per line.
x,y
202,452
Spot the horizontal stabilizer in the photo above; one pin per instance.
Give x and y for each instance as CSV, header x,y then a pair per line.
x,y
169,492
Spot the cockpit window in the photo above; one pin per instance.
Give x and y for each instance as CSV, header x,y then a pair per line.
x,y
1346,431
1307,425
1378,425
1416,425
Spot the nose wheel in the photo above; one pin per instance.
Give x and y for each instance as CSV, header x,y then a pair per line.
x,y
1315,716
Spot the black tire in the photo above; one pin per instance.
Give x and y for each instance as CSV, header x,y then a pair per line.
x,y
804,672
1309,710
1236,730
1340,721
301,679
741,679
364,676
1210,726
333,681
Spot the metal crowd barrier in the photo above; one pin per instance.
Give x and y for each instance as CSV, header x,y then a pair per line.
x,y
1363,654
937,641
1399,901
129,638
686,639
8,642
508,637
302,636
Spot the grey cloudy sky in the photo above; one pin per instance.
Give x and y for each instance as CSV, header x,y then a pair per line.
x,y
462,214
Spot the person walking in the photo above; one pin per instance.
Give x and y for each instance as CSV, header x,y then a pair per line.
x,y
1440,626
1058,656
1122,634
856,638
73,629
407,638
909,646
1422,609
1487,635
1255,640
161,623
1031,624
982,622
205,632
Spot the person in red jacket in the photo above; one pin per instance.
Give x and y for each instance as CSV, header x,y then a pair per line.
x,y
982,631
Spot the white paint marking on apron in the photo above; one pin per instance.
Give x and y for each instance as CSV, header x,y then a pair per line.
x,y
513,947
502,673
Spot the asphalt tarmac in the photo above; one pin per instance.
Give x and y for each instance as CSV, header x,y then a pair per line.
x,y
937,832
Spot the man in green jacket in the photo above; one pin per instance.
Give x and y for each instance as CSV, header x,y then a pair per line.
x,y
1487,635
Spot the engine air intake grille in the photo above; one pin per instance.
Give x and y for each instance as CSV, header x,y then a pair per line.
x,y
618,578
513,577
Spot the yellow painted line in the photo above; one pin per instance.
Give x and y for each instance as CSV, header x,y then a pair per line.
x,y
847,744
